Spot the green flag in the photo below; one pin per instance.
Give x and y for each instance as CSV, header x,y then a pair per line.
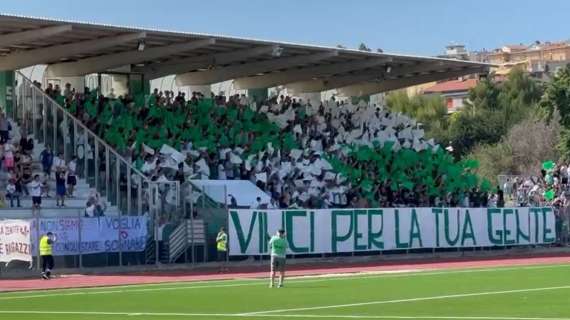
x,y
486,185
548,165
232,114
549,195
471,164
408,185
60,100
91,109
366,185
363,154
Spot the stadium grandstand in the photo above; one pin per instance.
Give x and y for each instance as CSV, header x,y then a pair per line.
x,y
162,174
85,111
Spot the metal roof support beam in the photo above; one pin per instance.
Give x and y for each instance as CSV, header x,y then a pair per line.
x,y
248,69
14,38
158,70
44,55
325,84
277,78
368,88
105,62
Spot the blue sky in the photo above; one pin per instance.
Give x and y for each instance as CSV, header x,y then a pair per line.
x,y
405,26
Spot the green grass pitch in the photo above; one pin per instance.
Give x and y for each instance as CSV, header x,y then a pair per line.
x,y
507,293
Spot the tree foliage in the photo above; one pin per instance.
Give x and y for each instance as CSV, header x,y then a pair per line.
x,y
527,144
494,159
492,109
556,99
485,96
468,130
425,109
488,114
428,110
557,96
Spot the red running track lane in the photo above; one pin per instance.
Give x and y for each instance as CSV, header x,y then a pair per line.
x,y
84,281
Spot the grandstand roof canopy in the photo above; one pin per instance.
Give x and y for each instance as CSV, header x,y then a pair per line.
x,y
77,48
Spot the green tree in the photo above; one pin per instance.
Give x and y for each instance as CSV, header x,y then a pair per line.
x,y
466,130
521,151
428,110
518,97
493,159
520,88
556,100
557,96
484,96
492,109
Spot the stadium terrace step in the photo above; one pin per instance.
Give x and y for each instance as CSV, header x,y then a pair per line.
x,y
51,181
50,202
25,126
26,213
73,206
45,212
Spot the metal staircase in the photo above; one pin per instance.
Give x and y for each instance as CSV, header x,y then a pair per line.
x,y
127,190
189,234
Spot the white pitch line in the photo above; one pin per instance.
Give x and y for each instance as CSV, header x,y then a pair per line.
x,y
104,313
256,282
442,297
47,294
230,315
334,316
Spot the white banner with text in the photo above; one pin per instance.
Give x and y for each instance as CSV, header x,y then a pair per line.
x,y
93,235
15,241
353,230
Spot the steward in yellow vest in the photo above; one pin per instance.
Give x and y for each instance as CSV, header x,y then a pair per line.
x,y
222,248
46,254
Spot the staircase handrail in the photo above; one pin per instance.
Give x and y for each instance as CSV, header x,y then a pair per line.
x,y
177,241
80,123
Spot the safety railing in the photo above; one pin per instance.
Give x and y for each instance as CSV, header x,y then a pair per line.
x,y
122,188
177,242
189,236
562,224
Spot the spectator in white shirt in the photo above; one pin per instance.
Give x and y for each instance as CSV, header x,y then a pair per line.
x,y
149,165
99,205
59,163
71,176
35,188
12,193
273,204
221,172
90,210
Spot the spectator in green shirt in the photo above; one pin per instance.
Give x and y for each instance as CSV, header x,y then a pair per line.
x,y
278,246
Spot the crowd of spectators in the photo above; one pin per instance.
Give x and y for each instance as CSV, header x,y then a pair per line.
x,y
288,147
19,178
282,145
550,188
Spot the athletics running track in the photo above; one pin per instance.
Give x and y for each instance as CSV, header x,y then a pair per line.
x,y
82,281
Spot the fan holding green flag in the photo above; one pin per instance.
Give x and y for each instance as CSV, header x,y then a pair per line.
x,y
549,195
548,165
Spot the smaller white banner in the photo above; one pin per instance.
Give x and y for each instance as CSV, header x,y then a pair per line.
x,y
15,241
